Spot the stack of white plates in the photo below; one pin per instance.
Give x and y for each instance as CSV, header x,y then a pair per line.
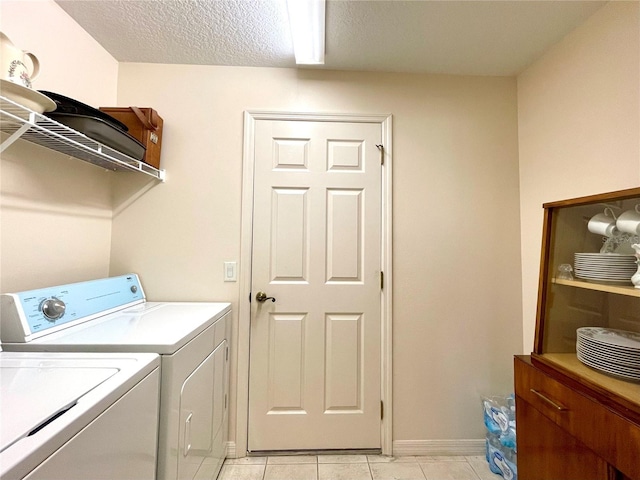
x,y
605,267
616,352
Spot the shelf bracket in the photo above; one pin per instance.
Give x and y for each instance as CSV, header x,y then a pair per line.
x,y
14,136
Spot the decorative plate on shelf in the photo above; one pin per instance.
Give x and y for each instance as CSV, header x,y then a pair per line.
x,y
612,337
616,352
27,97
610,369
605,267
593,352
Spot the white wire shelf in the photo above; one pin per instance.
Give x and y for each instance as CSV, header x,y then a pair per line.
x,y
21,123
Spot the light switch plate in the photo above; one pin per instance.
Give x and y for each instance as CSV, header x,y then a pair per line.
x,y
230,271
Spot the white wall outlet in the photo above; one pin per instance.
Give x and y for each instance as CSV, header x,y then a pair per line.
x,y
230,271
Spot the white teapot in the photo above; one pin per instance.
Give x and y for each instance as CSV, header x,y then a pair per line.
x,y
13,66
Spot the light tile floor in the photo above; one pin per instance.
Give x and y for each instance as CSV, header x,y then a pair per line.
x,y
357,467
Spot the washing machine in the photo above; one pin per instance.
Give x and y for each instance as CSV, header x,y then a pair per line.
x,y
113,315
78,416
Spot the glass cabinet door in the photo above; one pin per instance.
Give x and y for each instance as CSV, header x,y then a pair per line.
x,y
588,261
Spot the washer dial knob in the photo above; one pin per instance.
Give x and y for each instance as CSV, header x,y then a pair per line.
x,y
53,308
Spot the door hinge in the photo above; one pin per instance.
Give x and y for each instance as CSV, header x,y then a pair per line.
x,y
381,148
381,410
381,280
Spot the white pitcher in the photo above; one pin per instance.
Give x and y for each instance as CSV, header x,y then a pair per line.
x,y
13,66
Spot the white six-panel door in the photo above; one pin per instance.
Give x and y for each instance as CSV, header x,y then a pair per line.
x,y
315,366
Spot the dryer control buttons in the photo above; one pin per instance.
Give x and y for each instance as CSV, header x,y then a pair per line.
x,y
134,289
53,308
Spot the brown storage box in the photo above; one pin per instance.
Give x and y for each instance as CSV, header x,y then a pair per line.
x,y
145,125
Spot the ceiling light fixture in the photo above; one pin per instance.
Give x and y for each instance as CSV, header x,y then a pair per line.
x,y
306,20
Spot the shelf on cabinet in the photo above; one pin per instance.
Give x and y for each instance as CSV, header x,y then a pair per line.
x,y
20,122
569,363
617,289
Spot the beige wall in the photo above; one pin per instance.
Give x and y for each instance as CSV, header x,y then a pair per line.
x,y
456,217
579,126
56,212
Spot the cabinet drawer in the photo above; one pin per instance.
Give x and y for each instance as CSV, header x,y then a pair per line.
x,y
610,436
548,452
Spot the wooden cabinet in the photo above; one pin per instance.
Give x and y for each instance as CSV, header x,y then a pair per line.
x,y
574,421
548,451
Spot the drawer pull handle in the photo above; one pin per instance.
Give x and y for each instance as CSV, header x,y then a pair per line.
x,y
558,407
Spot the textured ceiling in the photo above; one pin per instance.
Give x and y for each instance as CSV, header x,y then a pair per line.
x,y
474,37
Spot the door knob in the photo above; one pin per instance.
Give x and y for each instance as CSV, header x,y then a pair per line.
x,y
262,297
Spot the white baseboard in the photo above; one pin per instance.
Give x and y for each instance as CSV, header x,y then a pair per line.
x,y
422,448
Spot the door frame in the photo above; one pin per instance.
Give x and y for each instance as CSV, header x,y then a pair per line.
x,y
244,307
